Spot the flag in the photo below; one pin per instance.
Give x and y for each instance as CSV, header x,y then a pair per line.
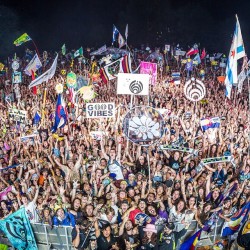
x,y
194,50
1,66
22,39
237,51
126,32
33,65
37,118
78,52
64,50
241,78
115,33
203,54
189,65
46,75
236,221
110,71
176,76
197,58
99,51
213,122
18,230
60,114
191,242
121,41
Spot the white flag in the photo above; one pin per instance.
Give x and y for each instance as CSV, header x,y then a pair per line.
x,y
46,75
126,32
33,65
133,84
121,41
241,78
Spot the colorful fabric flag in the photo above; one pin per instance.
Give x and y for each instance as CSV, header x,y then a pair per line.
x,y
64,49
115,33
99,51
194,50
237,51
110,71
78,52
213,122
22,39
18,230
203,54
126,32
37,118
176,76
189,65
33,65
191,242
60,114
121,41
236,221
46,75
243,238
1,66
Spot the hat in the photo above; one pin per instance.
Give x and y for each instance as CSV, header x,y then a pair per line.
x,y
123,182
150,228
131,174
170,226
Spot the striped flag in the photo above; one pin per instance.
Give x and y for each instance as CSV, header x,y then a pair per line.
x,y
237,51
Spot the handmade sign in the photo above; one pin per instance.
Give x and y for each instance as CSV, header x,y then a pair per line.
x,y
87,93
178,148
100,110
16,77
176,76
15,65
133,84
194,90
71,80
151,69
143,125
17,115
97,135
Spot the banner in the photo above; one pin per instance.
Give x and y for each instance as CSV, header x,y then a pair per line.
x,y
151,69
215,160
17,115
180,53
178,148
100,110
46,75
133,84
97,135
167,47
99,51
28,140
16,77
33,65
18,230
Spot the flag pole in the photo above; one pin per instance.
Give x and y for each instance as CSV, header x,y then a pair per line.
x,y
43,106
35,47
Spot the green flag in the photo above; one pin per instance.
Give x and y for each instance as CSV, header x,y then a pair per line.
x,y
22,39
64,49
78,52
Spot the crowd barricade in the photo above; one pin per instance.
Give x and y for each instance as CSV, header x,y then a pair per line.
x,y
48,238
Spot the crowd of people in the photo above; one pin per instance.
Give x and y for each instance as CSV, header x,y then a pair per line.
x,y
65,178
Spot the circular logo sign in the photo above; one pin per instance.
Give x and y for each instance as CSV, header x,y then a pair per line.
x,y
136,87
15,65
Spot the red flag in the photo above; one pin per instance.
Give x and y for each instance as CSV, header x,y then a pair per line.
x,y
203,54
192,51
34,89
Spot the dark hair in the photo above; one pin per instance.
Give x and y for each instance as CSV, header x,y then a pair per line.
x,y
145,239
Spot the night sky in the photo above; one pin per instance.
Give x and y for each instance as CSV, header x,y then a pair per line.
x,y
151,22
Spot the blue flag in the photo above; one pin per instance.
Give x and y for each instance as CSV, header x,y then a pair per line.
x,y
17,228
60,114
191,242
37,118
115,33
197,58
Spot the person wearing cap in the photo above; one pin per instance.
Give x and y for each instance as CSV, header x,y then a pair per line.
x,y
148,237
131,180
167,239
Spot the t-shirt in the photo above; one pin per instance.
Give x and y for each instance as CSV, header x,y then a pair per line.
x,y
115,168
31,212
103,244
174,164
